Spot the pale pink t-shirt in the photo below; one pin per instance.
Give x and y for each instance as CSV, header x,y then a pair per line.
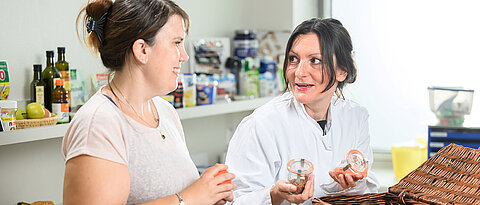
x,y
157,167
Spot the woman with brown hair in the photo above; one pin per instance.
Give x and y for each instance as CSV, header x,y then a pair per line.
x,y
311,121
126,145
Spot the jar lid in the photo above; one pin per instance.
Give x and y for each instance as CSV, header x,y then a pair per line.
x,y
8,104
357,161
242,32
300,166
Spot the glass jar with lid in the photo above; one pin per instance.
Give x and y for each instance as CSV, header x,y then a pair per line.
x,y
298,172
354,163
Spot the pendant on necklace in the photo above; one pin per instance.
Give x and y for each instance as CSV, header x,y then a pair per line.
x,y
163,136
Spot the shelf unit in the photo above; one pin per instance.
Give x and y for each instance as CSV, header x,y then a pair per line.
x,y
56,131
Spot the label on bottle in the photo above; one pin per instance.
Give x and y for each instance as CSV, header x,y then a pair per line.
x,y
61,110
67,85
55,83
40,95
178,96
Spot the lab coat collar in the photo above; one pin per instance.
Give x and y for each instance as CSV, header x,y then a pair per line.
x,y
327,138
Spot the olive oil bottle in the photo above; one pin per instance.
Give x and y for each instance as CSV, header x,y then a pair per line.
x,y
37,87
48,76
62,66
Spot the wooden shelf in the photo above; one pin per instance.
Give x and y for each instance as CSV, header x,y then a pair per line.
x,y
56,131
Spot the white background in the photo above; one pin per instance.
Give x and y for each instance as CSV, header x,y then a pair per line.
x,y
403,47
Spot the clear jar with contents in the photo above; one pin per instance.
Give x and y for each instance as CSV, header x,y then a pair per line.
x,y
298,172
354,163
8,109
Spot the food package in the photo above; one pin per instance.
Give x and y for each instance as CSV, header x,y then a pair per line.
x,y
4,80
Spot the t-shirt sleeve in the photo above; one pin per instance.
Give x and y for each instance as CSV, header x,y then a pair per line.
x,y
96,132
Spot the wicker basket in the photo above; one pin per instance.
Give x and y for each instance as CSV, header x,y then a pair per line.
x,y
451,176
380,198
22,124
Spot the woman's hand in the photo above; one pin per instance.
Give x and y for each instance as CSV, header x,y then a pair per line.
x,y
207,190
281,192
346,181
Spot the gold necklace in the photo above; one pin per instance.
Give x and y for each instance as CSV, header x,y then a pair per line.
x,y
136,113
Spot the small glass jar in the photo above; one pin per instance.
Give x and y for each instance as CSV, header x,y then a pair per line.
x,y
298,172
354,163
8,109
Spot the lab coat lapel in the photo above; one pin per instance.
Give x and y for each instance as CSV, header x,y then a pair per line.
x,y
314,126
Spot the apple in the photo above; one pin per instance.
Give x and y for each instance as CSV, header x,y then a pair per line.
x,y
35,111
21,114
47,113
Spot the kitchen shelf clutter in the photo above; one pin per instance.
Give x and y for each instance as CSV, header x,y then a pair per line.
x,y
56,131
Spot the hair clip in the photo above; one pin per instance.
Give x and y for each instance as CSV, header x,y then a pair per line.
x,y
90,25
97,26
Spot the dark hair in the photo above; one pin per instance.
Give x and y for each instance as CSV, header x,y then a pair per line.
x,y
334,40
126,21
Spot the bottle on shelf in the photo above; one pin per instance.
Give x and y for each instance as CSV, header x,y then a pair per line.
x,y
60,102
49,75
37,87
63,67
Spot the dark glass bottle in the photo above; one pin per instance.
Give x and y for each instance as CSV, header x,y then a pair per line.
x,y
37,87
60,102
62,66
48,76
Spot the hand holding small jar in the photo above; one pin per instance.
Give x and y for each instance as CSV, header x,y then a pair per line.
x,y
300,185
350,170
213,187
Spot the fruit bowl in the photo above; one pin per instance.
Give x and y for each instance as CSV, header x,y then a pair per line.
x,y
28,123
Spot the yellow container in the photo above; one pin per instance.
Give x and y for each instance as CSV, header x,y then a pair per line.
x,y
407,159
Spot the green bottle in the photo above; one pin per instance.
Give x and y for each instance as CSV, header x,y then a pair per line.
x,y
62,66
49,75
37,87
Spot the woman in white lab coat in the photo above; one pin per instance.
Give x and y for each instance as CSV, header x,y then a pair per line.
x,y
308,122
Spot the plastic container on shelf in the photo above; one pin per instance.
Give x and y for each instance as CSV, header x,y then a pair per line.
x,y
406,157
190,89
298,172
266,85
8,109
267,64
450,105
245,44
206,90
241,43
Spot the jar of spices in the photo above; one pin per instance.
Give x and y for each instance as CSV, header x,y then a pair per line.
x,y
298,172
8,109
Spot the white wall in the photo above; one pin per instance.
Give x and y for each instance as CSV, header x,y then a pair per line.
x,y
303,10
402,47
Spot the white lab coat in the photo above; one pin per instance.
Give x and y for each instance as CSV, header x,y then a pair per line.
x,y
282,130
